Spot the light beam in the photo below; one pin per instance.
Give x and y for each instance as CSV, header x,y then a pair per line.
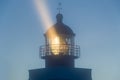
x,y
43,13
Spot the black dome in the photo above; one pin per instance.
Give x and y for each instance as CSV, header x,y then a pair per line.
x,y
60,27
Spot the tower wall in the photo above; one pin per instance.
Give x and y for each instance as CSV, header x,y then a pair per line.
x,y
59,61
60,74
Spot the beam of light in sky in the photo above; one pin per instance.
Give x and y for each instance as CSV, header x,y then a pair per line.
x,y
43,13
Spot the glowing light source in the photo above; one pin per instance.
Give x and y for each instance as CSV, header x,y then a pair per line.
x,y
55,44
58,46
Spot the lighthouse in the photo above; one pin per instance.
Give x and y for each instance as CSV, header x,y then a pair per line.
x,y
59,52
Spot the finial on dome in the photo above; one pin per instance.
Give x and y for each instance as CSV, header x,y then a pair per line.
x,y
59,7
59,16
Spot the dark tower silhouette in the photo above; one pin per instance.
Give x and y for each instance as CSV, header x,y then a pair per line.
x,y
59,53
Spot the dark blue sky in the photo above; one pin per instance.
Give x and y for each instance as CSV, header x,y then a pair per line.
x,y
95,22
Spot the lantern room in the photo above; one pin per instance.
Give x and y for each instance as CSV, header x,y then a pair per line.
x,y
59,44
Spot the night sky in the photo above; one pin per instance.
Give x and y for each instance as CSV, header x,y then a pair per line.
x,y
96,24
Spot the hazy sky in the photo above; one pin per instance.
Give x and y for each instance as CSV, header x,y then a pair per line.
x,y
95,22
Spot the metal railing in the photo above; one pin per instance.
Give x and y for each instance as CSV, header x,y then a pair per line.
x,y
46,50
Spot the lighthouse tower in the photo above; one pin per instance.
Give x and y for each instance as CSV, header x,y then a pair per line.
x,y
59,53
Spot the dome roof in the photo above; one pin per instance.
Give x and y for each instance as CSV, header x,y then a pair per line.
x,y
60,27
